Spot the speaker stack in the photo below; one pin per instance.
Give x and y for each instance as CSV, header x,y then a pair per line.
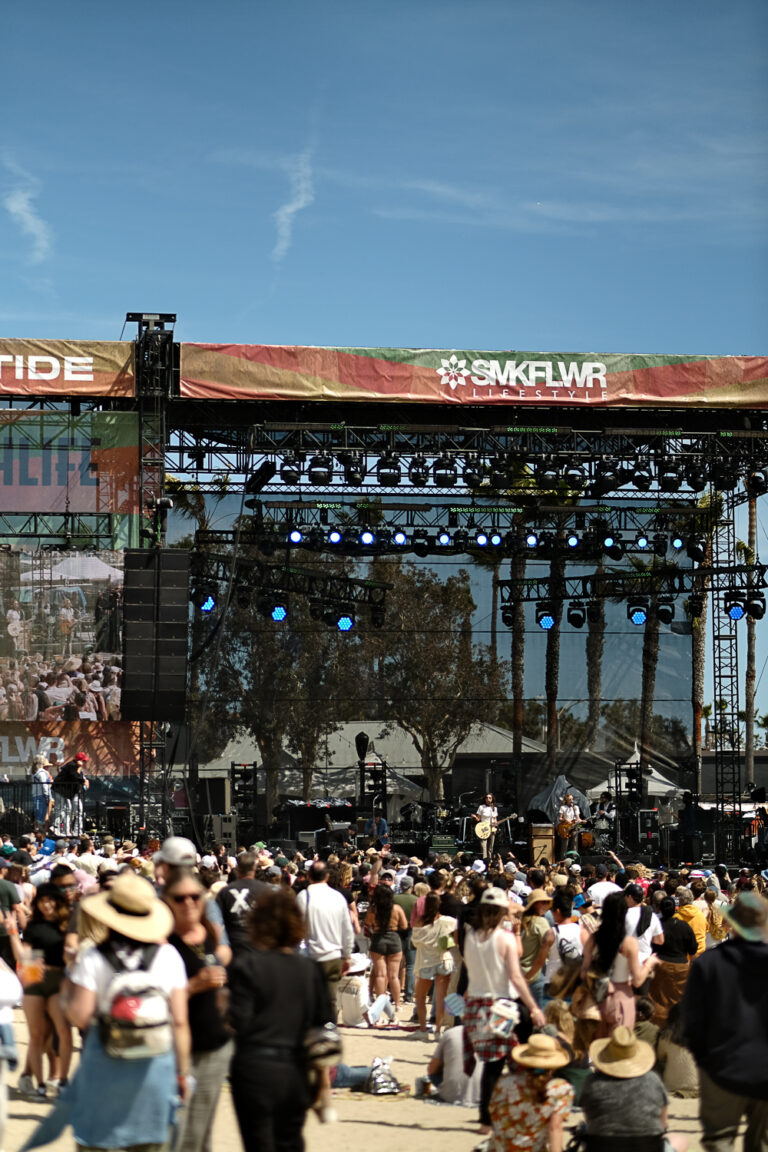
x,y
155,634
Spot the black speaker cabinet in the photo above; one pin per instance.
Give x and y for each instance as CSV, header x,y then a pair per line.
x,y
214,796
155,634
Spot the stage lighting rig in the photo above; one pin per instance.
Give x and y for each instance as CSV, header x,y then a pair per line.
x,y
320,471
637,611
388,471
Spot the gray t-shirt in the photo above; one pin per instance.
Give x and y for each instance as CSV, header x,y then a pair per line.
x,y
631,1107
456,1086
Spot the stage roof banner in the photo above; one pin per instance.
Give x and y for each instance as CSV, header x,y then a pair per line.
x,y
66,368
450,376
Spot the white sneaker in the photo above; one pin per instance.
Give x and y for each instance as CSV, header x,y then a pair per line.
x,y
419,1036
26,1085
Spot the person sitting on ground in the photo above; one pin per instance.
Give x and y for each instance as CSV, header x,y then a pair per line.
x,y
674,1061
625,1098
528,1107
357,1009
446,1079
645,1029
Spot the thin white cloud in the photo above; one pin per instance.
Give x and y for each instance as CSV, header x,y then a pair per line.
x,y
20,205
301,195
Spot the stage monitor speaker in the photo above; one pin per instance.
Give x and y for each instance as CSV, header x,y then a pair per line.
x,y
214,796
155,634
541,843
225,831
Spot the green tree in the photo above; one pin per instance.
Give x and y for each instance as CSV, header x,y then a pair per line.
x,y
437,683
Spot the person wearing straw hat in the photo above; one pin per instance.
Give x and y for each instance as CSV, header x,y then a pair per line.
x,y
136,1097
528,1109
725,1021
625,1100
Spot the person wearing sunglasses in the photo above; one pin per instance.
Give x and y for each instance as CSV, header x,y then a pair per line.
x,y
205,958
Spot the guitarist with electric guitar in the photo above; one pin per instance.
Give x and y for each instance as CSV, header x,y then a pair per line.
x,y
569,821
486,824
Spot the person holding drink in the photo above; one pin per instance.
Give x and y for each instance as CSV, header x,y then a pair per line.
x,y
41,967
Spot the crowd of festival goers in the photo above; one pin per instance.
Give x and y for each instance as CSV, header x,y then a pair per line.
x,y
555,995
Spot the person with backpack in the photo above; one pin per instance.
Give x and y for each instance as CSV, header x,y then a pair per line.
x,y
129,993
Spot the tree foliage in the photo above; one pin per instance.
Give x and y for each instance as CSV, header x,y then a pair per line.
x,y
437,684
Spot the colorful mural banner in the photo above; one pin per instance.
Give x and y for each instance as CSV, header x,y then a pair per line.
x,y
450,376
54,462
113,748
66,368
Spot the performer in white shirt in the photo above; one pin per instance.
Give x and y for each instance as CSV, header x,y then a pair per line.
x,y
488,812
569,813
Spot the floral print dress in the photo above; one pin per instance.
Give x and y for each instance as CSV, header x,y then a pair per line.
x,y
519,1115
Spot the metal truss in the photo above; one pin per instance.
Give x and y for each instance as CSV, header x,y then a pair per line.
x,y
155,354
61,531
662,580
248,573
491,462
727,727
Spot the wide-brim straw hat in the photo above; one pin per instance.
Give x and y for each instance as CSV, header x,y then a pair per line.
x,y
622,1055
583,1004
541,1051
536,896
132,908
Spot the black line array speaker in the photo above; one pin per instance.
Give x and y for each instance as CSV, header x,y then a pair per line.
x,y
155,634
214,795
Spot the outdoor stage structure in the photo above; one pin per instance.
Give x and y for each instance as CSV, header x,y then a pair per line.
x,y
367,452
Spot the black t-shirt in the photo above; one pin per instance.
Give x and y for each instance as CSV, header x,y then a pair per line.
x,y
236,901
450,905
49,938
207,1010
69,782
276,997
9,898
679,942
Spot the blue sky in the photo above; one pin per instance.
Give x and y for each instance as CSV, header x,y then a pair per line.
x,y
579,175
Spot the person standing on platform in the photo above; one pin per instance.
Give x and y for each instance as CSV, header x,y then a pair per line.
x,y
42,798
69,788
569,814
487,813
377,829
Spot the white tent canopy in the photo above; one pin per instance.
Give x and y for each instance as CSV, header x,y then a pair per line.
x,y
76,568
654,784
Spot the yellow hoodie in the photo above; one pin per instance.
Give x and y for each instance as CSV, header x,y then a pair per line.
x,y
698,922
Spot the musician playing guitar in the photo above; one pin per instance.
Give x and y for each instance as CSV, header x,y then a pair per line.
x,y
488,813
568,821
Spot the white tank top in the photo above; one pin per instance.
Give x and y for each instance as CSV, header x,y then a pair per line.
x,y
486,969
619,973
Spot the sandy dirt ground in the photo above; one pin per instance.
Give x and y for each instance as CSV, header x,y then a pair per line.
x,y
413,1125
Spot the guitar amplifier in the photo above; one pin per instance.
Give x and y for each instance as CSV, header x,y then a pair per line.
x,y
442,843
541,843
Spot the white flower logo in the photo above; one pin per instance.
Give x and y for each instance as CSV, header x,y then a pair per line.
x,y
453,371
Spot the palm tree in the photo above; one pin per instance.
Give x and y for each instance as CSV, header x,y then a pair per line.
x,y
594,653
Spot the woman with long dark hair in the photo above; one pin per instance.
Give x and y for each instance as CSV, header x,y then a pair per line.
x,y
277,996
492,959
383,923
42,1005
613,956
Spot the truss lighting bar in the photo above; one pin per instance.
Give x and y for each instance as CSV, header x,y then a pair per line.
x,y
740,579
